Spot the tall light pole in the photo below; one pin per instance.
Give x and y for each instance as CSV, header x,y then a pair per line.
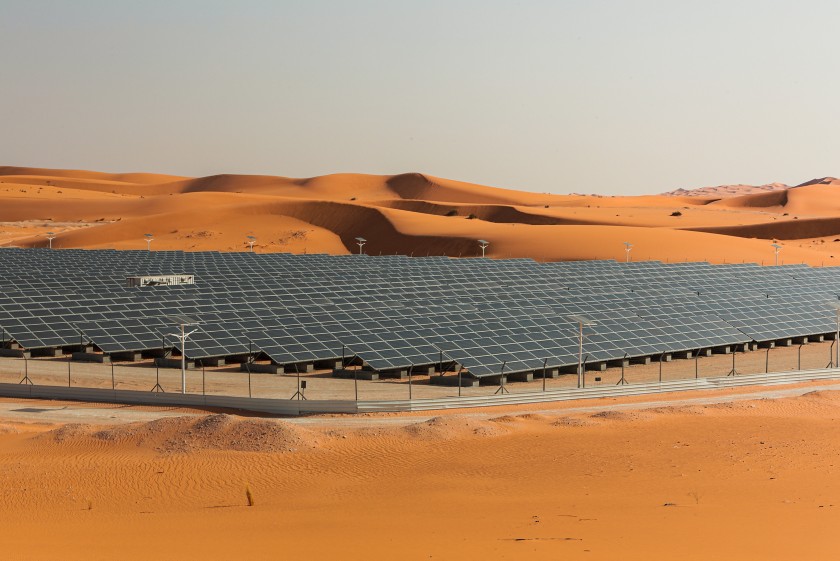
x,y
627,247
483,245
251,240
836,306
776,248
149,239
50,237
361,243
582,322
183,322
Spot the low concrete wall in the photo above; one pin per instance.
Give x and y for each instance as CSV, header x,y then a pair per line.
x,y
259,405
304,407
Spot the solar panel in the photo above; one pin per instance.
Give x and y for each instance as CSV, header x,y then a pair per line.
x,y
398,311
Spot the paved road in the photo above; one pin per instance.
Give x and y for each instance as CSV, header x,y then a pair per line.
x,y
37,411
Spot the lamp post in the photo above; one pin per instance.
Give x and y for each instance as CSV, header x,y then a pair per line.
x,y
252,240
776,248
50,237
149,239
361,243
483,245
183,322
836,306
627,247
582,322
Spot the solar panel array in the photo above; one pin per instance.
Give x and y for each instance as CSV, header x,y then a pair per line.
x,y
396,311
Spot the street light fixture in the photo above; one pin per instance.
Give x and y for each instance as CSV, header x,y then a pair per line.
x,y
836,306
361,242
149,239
483,244
183,322
582,322
627,247
50,237
252,240
776,248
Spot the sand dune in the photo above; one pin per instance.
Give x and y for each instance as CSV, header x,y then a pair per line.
x,y
411,214
724,191
788,230
695,482
616,484
95,176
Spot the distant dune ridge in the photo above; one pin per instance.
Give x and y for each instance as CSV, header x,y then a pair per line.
x,y
726,190
722,191
415,214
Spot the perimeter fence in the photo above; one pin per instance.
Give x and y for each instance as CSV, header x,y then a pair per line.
x,y
322,391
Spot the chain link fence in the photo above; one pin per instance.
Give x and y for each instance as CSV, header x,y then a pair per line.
x,y
231,381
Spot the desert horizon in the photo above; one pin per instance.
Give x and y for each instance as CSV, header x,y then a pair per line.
x,y
714,475
419,280
651,476
415,214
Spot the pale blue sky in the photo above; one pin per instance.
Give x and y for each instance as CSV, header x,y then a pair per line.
x,y
599,96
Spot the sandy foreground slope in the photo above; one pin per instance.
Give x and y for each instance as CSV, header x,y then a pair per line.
x,y
743,480
414,214
747,480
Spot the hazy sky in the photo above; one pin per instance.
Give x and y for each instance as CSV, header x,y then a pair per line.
x,y
635,96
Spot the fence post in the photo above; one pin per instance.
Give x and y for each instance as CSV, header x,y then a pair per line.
x,y
799,357
697,364
661,356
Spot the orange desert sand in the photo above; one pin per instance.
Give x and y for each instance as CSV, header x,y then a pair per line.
x,y
747,480
415,214
752,479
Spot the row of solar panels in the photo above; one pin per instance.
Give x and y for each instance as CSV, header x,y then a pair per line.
x,y
398,311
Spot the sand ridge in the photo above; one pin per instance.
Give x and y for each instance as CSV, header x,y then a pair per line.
x,y
654,483
411,213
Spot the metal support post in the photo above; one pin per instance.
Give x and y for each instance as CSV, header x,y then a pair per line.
x,y
502,389
661,356
183,360
157,387
248,369
545,363
581,381
837,347
26,380
697,364
733,372
298,394
583,371
410,368
799,357
622,381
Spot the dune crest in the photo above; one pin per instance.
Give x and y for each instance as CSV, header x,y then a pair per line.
x,y
181,435
413,214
